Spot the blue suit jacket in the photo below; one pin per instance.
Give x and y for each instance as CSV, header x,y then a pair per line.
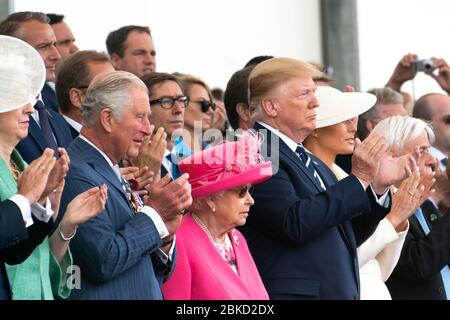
x,y
34,144
417,274
116,251
301,238
49,98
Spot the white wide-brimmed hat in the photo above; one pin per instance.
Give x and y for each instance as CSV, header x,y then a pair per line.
x,y
336,106
22,73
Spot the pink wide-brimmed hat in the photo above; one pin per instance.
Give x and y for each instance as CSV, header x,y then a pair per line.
x,y
226,166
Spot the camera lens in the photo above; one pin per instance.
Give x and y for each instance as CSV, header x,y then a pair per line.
x,y
428,66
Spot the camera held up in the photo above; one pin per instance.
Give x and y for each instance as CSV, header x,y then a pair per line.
x,y
426,65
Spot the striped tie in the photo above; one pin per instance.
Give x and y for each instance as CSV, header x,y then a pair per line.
x,y
176,173
300,151
46,128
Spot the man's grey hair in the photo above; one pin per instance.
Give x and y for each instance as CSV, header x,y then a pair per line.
x,y
384,96
401,129
111,90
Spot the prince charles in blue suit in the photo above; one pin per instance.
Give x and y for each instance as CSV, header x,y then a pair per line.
x,y
128,250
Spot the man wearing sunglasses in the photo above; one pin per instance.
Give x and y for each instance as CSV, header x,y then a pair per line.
x,y
435,107
168,104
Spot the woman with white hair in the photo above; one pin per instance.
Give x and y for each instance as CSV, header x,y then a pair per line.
x,y
335,134
422,271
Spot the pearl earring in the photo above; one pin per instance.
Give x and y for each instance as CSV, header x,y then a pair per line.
x,y
214,209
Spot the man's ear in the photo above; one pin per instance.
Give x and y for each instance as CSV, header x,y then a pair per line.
x,y
243,111
107,120
76,97
116,61
270,107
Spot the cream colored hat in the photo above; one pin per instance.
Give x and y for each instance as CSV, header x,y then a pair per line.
x,y
22,73
336,106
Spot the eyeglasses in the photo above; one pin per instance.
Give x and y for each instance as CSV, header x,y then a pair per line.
x,y
169,102
205,105
242,191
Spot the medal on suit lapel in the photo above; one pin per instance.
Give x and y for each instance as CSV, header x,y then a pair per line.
x,y
133,198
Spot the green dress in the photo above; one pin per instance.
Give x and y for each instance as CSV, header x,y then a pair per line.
x,y
40,276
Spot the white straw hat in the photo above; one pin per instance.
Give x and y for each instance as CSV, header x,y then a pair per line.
x,y
22,73
336,106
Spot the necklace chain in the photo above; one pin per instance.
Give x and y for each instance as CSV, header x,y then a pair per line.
x,y
208,233
15,171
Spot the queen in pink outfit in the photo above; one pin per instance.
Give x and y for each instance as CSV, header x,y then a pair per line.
x,y
213,260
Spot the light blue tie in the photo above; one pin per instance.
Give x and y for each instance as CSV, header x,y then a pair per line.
x,y
445,272
119,176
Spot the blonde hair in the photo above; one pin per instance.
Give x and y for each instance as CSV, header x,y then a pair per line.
x,y
270,74
188,81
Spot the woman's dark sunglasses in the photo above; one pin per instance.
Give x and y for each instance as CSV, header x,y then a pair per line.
x,y
205,105
242,191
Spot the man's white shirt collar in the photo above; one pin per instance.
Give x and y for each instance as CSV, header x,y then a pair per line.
x,y
96,148
77,126
290,143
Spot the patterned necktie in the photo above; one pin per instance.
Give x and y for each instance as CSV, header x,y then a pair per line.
x,y
176,173
46,129
300,151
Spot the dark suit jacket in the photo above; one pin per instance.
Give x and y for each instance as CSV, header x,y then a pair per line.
x,y
73,132
34,144
301,238
49,98
417,274
16,241
116,251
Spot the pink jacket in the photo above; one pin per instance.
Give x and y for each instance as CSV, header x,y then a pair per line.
x,y
202,274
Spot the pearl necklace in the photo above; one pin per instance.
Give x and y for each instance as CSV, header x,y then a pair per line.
x,y
215,240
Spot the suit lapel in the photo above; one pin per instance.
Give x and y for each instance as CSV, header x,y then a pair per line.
x,y
57,130
430,213
98,162
345,228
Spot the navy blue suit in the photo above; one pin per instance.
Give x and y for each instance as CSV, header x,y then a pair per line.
x,y
74,133
417,274
302,239
49,98
16,241
116,251
34,144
